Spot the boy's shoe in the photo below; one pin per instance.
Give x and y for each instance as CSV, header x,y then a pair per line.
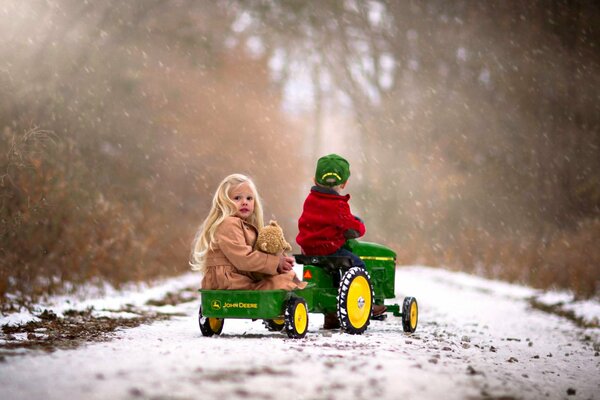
x,y
378,309
331,321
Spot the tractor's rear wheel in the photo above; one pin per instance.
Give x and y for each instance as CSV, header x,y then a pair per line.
x,y
355,301
410,314
209,326
296,318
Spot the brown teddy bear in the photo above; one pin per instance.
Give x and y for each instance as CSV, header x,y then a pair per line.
x,y
271,240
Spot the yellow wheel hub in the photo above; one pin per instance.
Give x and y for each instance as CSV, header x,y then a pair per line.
x,y
278,321
359,302
300,318
414,314
215,324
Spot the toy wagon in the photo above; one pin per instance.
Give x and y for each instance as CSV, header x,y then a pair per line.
x,y
334,285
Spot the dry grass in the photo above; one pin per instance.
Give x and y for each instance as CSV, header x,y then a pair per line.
x,y
55,228
567,259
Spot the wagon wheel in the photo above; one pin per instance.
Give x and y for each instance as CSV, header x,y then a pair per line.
x,y
296,318
274,325
209,326
355,301
410,314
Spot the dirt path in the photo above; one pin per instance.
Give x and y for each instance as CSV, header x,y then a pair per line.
x,y
476,340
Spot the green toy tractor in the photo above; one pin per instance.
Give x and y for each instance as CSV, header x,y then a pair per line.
x,y
334,286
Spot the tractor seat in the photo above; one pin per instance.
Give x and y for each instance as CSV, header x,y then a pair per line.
x,y
327,262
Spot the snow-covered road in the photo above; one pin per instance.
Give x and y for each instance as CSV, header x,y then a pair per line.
x,y
476,339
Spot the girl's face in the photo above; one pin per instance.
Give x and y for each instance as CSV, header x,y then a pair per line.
x,y
243,198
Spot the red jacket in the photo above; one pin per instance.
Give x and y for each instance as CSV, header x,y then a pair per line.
x,y
326,222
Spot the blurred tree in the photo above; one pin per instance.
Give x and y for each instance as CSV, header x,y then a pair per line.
x,y
477,122
474,127
145,106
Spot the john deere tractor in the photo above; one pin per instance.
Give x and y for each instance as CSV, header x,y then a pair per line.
x,y
334,285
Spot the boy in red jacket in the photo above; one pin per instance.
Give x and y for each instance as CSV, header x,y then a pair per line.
x,y
327,222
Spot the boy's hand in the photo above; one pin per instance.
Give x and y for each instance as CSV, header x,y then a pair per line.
x,y
285,264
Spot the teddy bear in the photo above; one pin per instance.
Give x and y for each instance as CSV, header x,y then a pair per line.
x,y
271,240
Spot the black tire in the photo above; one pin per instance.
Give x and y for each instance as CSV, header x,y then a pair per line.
x,y
274,325
355,301
296,318
410,314
209,326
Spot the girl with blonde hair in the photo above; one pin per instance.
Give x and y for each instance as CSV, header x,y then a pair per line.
x,y
224,245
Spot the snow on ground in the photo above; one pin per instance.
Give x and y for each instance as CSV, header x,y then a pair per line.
x,y
103,298
476,339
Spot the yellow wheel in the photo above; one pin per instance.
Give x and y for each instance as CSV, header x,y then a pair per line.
x,y
296,318
209,326
274,325
355,301
410,314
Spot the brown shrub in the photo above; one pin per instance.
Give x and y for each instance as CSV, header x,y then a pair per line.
x,y
567,259
91,206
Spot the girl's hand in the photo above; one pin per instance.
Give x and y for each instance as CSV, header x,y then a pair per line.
x,y
285,264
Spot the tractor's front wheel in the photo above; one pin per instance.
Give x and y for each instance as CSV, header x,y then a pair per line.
x,y
355,301
209,326
296,318
410,314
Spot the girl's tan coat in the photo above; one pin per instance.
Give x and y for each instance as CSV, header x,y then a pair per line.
x,y
234,264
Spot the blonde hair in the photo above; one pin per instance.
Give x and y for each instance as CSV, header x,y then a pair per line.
x,y
222,207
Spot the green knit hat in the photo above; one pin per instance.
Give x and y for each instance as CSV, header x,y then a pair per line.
x,y
332,170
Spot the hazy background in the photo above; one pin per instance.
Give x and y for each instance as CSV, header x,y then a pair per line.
x,y
472,130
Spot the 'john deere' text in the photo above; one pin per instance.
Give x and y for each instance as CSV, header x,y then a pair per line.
x,y
240,305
